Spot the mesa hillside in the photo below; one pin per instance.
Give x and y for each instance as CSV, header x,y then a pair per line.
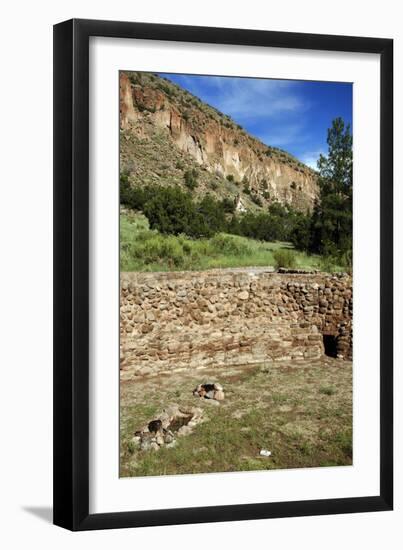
x,y
236,296
169,137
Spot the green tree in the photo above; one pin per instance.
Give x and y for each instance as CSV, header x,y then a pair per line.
x,y
212,214
331,224
301,232
170,210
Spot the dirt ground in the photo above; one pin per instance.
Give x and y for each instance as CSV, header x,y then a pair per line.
x,y
301,413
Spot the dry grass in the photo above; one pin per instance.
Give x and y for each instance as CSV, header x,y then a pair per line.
x,y
302,414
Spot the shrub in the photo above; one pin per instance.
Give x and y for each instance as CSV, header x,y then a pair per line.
x,y
327,390
191,179
212,214
284,258
300,234
171,211
153,248
257,200
328,263
133,197
346,260
228,205
230,245
230,177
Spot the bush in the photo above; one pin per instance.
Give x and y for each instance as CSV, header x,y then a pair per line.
x,y
284,258
227,244
328,264
228,205
172,211
230,177
257,200
133,197
191,179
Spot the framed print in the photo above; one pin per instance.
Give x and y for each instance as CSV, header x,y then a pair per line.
x,y
223,274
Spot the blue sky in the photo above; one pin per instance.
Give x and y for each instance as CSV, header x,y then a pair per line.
x,y
290,114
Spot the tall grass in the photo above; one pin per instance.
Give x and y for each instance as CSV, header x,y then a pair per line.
x,y
142,249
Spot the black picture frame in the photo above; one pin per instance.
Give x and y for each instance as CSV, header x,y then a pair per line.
x,y
71,274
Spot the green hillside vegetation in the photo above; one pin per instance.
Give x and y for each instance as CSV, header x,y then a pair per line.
x,y
143,249
183,231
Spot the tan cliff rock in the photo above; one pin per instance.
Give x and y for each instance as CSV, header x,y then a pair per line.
x,y
151,106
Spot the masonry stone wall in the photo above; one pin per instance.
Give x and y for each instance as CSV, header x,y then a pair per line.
x,y
174,321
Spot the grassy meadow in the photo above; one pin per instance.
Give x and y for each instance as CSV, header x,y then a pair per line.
x,y
302,414
142,249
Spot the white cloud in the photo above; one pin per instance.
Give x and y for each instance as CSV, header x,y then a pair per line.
x,y
273,110
247,98
284,135
255,98
311,158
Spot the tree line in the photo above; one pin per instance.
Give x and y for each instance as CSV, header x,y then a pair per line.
x,y
327,230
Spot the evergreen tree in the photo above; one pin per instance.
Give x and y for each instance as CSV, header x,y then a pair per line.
x,y
331,223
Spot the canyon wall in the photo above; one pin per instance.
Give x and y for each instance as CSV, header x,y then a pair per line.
x,y
173,321
213,141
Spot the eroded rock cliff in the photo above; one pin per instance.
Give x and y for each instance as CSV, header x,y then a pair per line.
x,y
165,131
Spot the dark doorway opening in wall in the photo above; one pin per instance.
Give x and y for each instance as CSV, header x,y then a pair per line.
x,y
330,343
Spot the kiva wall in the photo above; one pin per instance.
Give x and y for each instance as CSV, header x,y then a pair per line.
x,y
174,321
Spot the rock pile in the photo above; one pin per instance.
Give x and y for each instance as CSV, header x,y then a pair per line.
x,y
209,391
172,422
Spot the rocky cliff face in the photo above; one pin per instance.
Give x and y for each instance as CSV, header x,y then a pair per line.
x,y
231,162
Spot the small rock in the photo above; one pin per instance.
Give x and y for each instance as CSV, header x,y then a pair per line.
x,y
212,401
218,387
165,420
145,445
159,439
219,395
243,295
265,452
172,410
184,430
168,438
154,446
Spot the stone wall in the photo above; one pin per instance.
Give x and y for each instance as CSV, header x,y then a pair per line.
x,y
230,317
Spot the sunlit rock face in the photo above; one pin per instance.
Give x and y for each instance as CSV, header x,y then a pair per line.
x,y
152,109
